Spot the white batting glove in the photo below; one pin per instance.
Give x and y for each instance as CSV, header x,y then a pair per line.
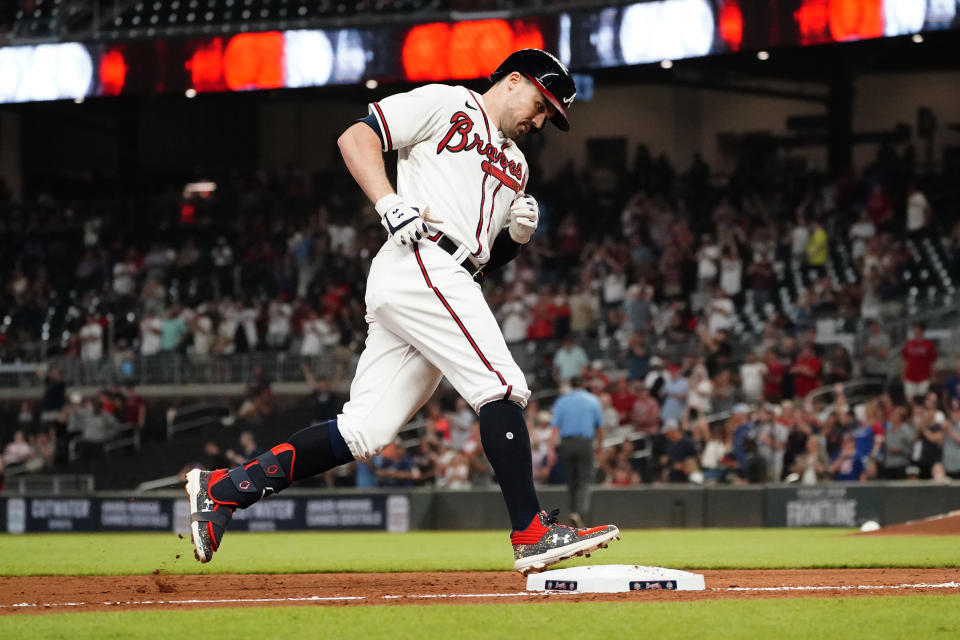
x,y
524,218
404,223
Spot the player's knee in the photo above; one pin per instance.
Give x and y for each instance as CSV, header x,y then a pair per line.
x,y
369,437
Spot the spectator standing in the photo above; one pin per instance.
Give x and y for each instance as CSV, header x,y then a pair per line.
x,y
203,337
279,313
578,418
656,377
772,438
639,306
645,413
731,270
813,466
752,374
699,392
150,332
928,447
799,237
98,427
817,247
720,312
569,361
879,206
581,311
125,275
91,339
876,351
951,442
806,372
761,278
860,233
638,360
675,391
708,260
772,377
461,423
898,445
543,447
514,318
918,212
317,335
919,354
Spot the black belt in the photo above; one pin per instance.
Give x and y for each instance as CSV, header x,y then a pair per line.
x,y
452,248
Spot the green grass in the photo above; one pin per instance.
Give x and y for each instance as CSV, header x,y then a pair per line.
x,y
306,552
838,619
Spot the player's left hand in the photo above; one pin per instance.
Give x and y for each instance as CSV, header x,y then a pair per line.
x,y
524,218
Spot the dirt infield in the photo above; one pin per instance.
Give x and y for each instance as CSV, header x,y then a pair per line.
x,y
947,524
26,595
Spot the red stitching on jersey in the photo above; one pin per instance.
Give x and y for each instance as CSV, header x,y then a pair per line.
x,y
506,396
493,203
483,198
456,318
485,120
386,129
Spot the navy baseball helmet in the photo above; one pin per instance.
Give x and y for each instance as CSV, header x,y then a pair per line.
x,y
548,74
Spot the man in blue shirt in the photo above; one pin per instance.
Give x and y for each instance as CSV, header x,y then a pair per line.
x,y
578,417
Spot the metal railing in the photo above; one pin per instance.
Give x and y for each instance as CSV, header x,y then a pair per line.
x,y
534,358
52,484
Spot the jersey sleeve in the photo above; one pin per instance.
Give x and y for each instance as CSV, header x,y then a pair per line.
x,y
408,118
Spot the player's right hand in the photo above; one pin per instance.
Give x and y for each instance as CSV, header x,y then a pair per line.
x,y
404,223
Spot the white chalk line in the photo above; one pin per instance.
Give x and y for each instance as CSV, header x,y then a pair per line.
x,y
519,594
848,587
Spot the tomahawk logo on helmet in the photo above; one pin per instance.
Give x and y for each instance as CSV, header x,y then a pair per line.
x,y
550,76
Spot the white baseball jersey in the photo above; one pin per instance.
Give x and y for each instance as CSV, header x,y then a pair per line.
x,y
427,317
453,158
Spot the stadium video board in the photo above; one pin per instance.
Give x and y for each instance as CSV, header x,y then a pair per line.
x,y
588,39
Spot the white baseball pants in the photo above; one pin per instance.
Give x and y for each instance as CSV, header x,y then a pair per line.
x,y
427,319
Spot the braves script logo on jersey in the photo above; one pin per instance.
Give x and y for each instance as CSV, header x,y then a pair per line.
x,y
457,138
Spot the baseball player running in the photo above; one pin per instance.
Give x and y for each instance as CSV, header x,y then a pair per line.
x,y
459,208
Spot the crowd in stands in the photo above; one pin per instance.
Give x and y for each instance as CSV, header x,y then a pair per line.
x,y
646,260
51,434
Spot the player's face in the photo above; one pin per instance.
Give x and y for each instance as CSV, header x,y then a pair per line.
x,y
525,110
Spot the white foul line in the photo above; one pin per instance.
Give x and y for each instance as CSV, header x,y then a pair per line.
x,y
849,587
520,594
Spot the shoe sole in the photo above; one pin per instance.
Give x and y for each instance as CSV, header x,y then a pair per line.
x,y
536,564
193,489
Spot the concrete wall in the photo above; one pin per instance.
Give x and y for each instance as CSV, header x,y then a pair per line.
x,y
883,100
673,120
